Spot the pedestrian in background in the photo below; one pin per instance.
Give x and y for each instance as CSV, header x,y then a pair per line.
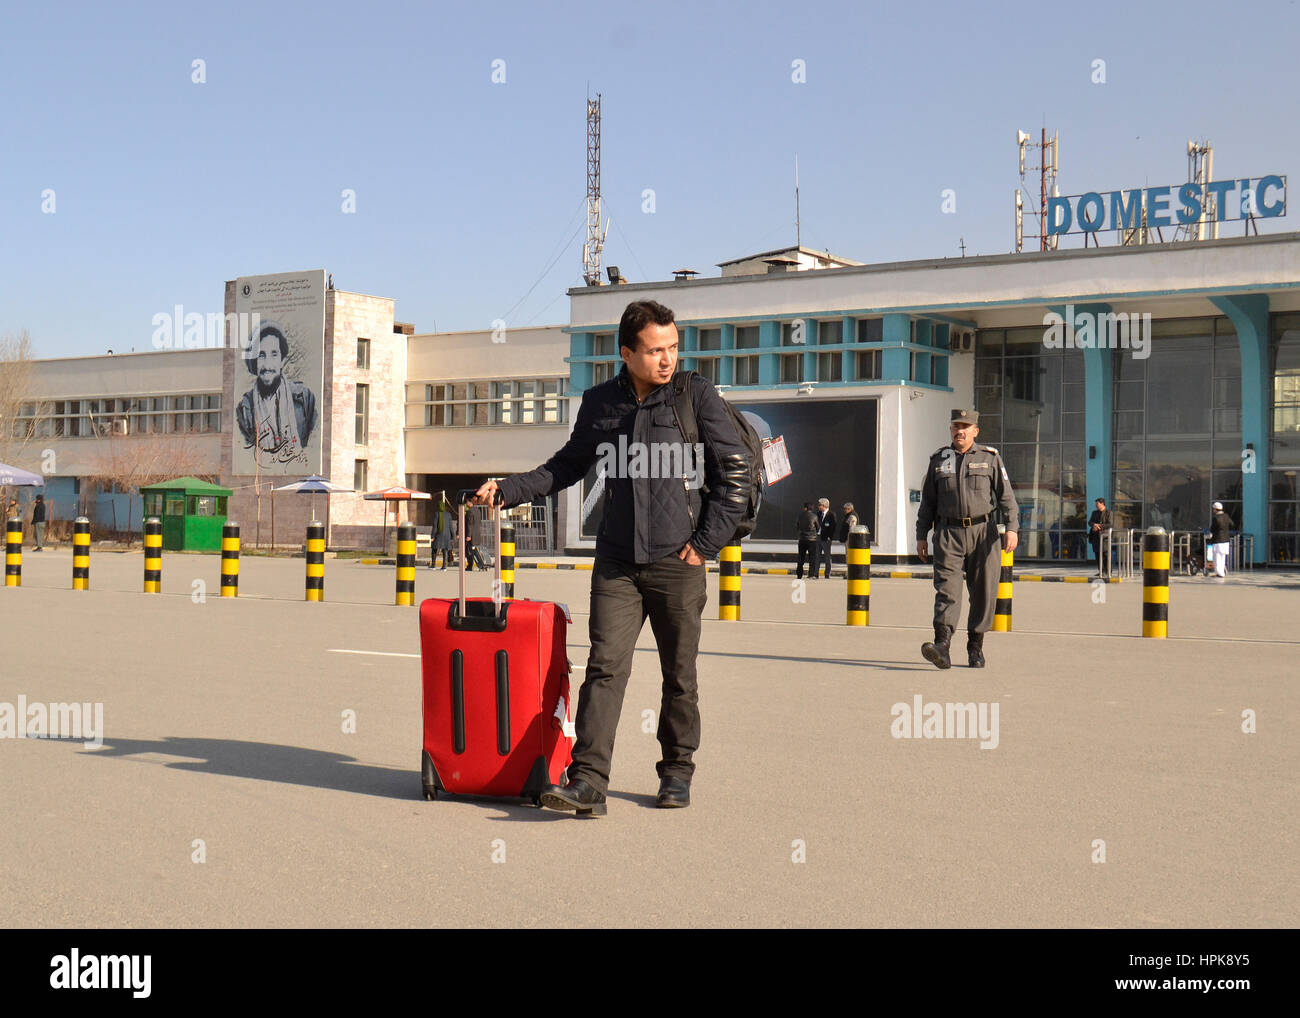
x,y
442,526
1099,523
1220,536
807,529
38,523
825,533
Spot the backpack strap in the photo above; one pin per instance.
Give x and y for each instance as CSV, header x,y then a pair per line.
x,y
684,408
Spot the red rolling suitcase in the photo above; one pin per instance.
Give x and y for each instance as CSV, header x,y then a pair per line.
x,y
496,691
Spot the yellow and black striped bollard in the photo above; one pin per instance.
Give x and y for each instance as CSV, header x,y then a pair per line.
x,y
81,553
406,564
1002,607
857,555
153,555
507,560
230,560
315,554
1155,583
14,553
729,583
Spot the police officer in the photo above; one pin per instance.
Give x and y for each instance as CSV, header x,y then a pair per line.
x,y
965,484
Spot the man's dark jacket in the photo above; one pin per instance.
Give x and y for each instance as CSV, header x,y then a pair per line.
x,y
1220,527
647,518
827,532
808,525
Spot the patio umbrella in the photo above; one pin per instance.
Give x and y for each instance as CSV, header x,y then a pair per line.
x,y
395,494
313,486
16,478
13,477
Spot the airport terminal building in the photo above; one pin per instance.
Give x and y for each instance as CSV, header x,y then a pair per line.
x,y
1161,377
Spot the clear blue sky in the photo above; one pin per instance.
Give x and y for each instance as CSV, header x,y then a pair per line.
x,y
466,190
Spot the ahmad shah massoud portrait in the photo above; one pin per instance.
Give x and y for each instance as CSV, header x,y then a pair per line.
x,y
277,415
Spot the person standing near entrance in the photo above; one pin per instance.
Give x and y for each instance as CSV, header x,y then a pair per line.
x,y
807,530
442,526
1098,523
1220,537
38,523
965,486
825,533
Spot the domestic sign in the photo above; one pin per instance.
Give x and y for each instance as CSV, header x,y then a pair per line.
x,y
1175,205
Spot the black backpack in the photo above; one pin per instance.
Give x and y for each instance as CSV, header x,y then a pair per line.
x,y
684,409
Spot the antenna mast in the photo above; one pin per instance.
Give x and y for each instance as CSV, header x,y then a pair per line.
x,y
798,229
595,242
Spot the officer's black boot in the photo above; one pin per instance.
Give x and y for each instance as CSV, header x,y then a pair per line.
x,y
937,653
975,649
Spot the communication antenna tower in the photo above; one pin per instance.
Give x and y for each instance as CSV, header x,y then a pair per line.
x,y
1048,167
595,239
1200,170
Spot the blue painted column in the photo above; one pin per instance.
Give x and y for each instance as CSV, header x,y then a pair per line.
x,y
812,336
896,361
849,334
727,365
690,343
939,340
769,364
580,345
1249,315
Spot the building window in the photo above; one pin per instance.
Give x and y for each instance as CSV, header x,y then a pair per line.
x,y
745,371
830,367
871,330
363,415
363,353
868,365
465,404
830,333
118,416
359,473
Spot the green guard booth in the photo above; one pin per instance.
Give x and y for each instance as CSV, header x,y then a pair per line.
x,y
192,513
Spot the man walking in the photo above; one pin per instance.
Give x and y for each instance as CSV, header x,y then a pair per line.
x,y
825,533
807,529
1220,537
38,523
657,530
965,484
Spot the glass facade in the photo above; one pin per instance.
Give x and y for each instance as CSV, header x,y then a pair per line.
x,y
1031,405
1176,430
1284,441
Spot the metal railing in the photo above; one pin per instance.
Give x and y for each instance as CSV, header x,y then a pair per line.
x,y
533,527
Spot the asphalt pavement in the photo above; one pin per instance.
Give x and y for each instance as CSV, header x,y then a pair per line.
x,y
1125,782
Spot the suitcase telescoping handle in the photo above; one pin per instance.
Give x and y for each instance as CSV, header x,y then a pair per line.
x,y
462,497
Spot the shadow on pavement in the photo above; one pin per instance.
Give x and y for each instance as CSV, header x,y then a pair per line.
x,y
262,761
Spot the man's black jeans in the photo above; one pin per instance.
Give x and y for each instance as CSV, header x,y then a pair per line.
x,y
672,594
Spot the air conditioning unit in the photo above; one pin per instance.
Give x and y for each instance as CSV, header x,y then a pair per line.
x,y
119,426
961,341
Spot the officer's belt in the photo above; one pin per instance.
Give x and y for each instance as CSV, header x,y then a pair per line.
x,y
963,521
